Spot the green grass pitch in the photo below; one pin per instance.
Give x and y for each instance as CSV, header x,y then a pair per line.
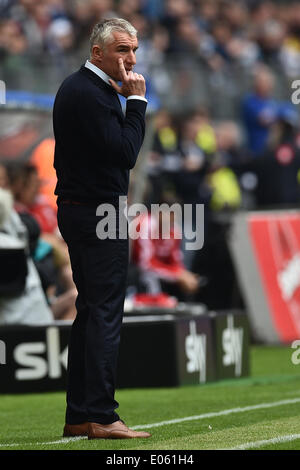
x,y
259,412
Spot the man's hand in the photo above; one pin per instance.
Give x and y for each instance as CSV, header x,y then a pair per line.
x,y
132,83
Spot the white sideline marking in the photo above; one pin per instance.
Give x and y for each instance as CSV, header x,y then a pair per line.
x,y
65,440
274,440
219,413
213,414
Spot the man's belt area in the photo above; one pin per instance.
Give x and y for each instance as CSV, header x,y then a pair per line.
x,y
72,202
77,203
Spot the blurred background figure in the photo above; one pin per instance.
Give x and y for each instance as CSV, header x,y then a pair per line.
x,y
22,298
46,250
277,170
158,257
164,158
259,110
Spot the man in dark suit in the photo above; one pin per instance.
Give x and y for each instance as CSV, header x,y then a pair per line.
x,y
96,146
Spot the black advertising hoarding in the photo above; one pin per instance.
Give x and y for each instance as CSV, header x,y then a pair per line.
x,y
231,344
195,350
155,351
35,358
166,351
147,356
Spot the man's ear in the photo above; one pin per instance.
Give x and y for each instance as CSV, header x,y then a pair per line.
x,y
97,53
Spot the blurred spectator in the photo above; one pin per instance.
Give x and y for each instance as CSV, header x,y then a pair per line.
x,y
222,179
213,262
81,15
232,154
47,249
159,258
60,36
164,160
188,36
42,159
152,9
155,49
205,136
278,169
290,54
222,34
28,306
101,9
222,185
191,181
180,153
270,39
260,12
26,187
206,12
12,39
174,11
228,142
34,18
259,110
236,14
126,8
197,143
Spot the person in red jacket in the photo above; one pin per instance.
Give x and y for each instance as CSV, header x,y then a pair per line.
x,y
159,259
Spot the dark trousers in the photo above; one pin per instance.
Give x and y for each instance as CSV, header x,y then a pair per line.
x,y
99,272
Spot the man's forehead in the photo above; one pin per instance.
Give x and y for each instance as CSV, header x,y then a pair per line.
x,y
124,39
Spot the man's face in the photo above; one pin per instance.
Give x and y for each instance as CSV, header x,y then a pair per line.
x,y
122,46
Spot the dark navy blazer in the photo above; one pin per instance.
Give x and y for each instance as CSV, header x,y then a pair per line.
x,y
96,145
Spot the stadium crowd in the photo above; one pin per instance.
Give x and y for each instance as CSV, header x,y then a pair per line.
x,y
219,32
249,160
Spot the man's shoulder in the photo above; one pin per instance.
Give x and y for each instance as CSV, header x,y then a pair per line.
x,y
85,90
83,82
75,80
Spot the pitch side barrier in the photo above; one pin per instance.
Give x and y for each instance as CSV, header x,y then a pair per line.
x,y
184,345
265,248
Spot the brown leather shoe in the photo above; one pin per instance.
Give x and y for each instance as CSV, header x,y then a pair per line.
x,y
71,430
116,430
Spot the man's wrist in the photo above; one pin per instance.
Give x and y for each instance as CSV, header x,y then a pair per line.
x,y
137,97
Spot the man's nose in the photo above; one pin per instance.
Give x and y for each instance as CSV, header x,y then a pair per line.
x,y
131,58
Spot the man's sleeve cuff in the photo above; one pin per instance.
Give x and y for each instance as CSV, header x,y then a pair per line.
x,y
137,97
